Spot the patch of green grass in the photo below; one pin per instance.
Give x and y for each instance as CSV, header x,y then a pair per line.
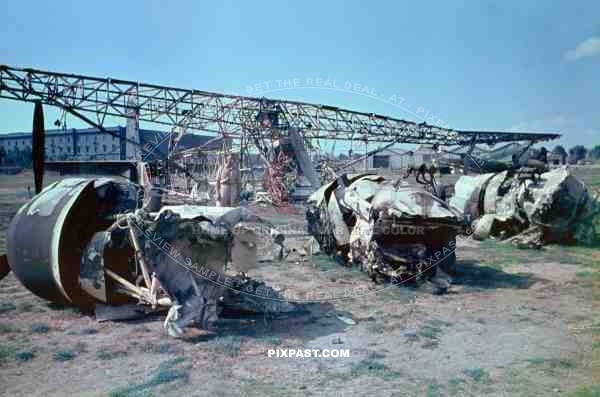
x,y
39,328
69,310
576,255
376,327
6,351
456,385
593,391
24,356
595,327
502,254
585,274
30,307
536,360
370,367
158,348
64,355
85,331
596,344
562,363
429,331
7,328
478,375
519,381
552,363
252,387
271,340
165,373
433,390
229,345
110,354
7,307
569,254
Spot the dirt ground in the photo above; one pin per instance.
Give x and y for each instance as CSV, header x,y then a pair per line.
x,y
516,322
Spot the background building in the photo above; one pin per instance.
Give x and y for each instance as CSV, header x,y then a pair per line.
x,y
396,159
93,144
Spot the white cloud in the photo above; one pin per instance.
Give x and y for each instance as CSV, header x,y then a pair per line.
x,y
587,48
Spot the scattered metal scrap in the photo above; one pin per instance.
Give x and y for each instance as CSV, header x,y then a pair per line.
x,y
86,242
529,207
390,230
273,181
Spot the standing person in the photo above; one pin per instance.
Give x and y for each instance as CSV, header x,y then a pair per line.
x,y
229,182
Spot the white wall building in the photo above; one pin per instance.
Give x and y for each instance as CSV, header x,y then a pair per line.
x,y
395,159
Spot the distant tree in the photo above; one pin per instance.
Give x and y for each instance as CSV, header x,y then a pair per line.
x,y
560,150
577,153
2,155
594,153
342,156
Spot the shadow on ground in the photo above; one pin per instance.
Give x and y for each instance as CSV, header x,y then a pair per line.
x,y
311,321
473,275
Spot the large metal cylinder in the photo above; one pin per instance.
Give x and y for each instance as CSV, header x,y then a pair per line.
x,y
48,235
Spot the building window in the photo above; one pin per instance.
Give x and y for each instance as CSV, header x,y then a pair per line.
x,y
381,161
104,148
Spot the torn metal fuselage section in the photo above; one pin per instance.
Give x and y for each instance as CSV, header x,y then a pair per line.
x,y
532,210
201,256
48,235
389,231
85,241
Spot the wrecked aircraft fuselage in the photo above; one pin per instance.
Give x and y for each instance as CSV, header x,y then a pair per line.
x,y
86,242
531,208
389,231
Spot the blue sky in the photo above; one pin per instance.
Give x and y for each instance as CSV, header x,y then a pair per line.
x,y
507,65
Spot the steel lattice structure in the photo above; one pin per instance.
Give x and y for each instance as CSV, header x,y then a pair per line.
x,y
229,115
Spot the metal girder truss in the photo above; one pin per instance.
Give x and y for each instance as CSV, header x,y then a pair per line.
x,y
229,115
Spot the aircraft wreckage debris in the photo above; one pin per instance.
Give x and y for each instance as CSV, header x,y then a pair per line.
x,y
88,242
84,242
390,232
530,208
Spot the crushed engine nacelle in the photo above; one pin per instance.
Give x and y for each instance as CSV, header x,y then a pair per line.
x,y
389,231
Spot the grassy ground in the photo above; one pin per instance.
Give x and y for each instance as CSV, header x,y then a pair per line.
x,y
516,322
590,175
